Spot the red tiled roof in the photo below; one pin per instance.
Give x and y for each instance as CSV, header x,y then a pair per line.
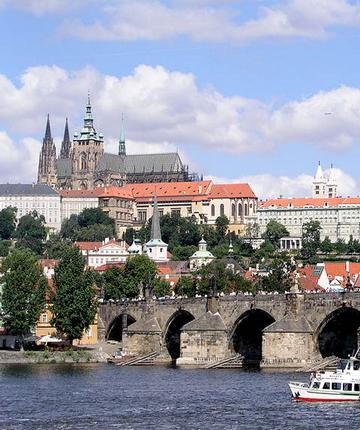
x,y
339,269
48,262
308,281
123,192
88,246
219,191
82,193
108,266
302,202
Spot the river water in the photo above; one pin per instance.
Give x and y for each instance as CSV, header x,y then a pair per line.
x,y
100,396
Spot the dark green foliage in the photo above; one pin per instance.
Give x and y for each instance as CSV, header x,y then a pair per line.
x,y
91,225
311,240
23,292
279,278
114,284
31,232
74,303
129,235
183,252
5,246
138,269
274,232
92,216
95,233
7,223
70,227
222,225
56,247
186,286
326,246
161,288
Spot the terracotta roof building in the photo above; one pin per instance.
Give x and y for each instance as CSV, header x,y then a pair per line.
x,y
339,217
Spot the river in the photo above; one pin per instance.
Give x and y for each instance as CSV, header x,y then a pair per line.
x,y
100,396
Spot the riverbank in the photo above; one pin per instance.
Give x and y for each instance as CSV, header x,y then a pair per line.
x,y
93,354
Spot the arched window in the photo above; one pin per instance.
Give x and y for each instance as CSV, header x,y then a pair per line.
x,y
222,211
240,210
212,210
246,209
233,210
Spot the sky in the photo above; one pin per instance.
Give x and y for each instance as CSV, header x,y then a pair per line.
x,y
247,91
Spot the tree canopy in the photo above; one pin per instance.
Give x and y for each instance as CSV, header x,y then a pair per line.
x,y
274,232
7,223
23,292
31,232
74,304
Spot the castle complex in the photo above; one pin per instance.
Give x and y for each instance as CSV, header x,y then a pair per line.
x,y
83,164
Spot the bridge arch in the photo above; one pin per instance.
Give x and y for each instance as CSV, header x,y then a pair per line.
x,y
173,330
246,335
337,333
118,325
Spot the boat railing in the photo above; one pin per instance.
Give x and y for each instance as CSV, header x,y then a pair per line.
x,y
299,384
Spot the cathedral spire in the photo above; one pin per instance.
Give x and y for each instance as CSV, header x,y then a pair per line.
x,y
122,147
48,129
66,143
47,158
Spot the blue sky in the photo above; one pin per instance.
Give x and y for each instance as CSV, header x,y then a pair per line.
x,y
241,88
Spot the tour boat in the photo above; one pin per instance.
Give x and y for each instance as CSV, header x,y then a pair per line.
x,y
340,385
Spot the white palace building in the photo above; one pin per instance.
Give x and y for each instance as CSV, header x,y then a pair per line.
x,y
339,216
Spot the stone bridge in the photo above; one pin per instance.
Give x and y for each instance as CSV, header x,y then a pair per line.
x,y
271,330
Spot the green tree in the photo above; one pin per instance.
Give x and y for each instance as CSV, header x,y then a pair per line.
x,y
74,304
23,292
91,216
138,269
129,235
70,227
161,288
311,239
326,246
279,278
114,284
31,232
222,225
186,286
183,252
5,246
274,232
95,233
56,247
7,223
340,247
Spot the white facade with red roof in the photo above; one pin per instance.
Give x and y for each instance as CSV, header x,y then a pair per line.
x,y
103,253
339,217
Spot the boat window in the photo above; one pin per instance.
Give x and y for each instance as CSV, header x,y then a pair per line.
x,y
316,385
356,365
356,387
336,386
347,387
348,366
326,386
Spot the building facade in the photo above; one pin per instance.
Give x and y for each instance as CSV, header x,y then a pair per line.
x,y
27,198
339,217
324,186
83,163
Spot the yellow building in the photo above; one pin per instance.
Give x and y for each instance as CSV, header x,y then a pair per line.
x,y
44,328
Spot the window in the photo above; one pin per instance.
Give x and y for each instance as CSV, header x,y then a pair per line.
x,y
356,387
316,385
240,209
212,210
356,365
222,210
44,318
347,387
336,386
326,386
232,210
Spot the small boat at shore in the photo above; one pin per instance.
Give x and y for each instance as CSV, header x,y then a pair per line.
x,y
339,385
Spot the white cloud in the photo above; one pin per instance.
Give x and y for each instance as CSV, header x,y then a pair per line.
x,y
18,162
268,186
167,109
207,20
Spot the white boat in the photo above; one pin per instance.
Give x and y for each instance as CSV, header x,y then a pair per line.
x,y
340,385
